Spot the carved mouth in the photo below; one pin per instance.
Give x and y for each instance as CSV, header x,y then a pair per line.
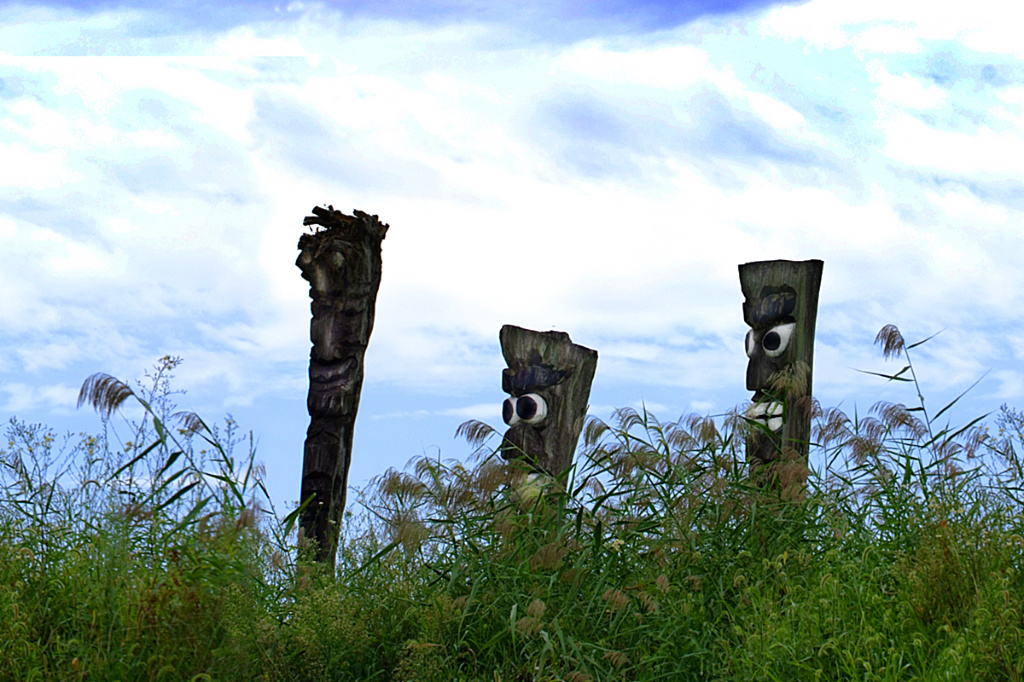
x,y
769,413
335,376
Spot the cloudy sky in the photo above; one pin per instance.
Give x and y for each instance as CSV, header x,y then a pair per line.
x,y
594,167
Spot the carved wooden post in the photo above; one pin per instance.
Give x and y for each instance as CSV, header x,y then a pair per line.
x,y
781,308
548,378
343,265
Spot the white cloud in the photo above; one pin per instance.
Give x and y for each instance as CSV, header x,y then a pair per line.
x,y
673,67
608,188
29,169
965,210
479,411
43,30
985,154
120,226
50,355
992,28
667,71
22,398
820,23
887,39
904,90
245,42
881,26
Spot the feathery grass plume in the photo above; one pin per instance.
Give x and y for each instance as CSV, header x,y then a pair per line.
x,y
891,341
409,531
596,444
832,425
659,562
616,658
593,430
191,423
452,484
548,557
529,626
790,380
898,419
627,418
648,604
663,583
591,486
975,439
791,472
475,432
537,608
865,441
615,598
399,485
671,499
696,431
1009,463
104,393
577,676
134,556
683,436
488,477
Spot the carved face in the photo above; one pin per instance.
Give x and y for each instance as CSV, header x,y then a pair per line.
x,y
535,396
780,307
771,335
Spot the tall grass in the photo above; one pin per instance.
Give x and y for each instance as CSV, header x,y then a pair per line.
x,y
125,560
897,555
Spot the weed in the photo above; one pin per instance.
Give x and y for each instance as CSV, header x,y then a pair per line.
x,y
897,556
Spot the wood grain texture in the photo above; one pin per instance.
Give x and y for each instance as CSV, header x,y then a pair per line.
x,y
536,360
781,292
341,260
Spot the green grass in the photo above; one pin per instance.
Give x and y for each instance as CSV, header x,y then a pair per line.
x,y
898,557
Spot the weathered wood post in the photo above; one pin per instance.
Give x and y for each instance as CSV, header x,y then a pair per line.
x,y
548,380
781,308
342,263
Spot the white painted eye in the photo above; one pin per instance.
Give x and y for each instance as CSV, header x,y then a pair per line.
x,y
508,411
750,344
531,408
776,339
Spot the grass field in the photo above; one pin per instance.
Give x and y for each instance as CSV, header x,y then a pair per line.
x,y
898,557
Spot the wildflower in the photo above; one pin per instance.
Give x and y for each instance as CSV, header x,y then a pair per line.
x,y
616,544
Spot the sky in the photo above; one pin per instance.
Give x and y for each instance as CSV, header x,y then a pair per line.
x,y
599,168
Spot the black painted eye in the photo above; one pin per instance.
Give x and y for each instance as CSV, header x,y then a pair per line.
x,y
776,340
532,408
508,411
750,343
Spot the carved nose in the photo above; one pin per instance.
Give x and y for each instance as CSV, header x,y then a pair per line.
x,y
759,372
752,375
523,441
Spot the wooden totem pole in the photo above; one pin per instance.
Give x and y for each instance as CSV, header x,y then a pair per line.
x,y
781,308
548,378
342,262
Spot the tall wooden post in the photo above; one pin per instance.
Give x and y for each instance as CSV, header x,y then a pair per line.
x,y
342,262
781,308
548,378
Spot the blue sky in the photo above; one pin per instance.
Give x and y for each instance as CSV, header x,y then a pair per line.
x,y
151,199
